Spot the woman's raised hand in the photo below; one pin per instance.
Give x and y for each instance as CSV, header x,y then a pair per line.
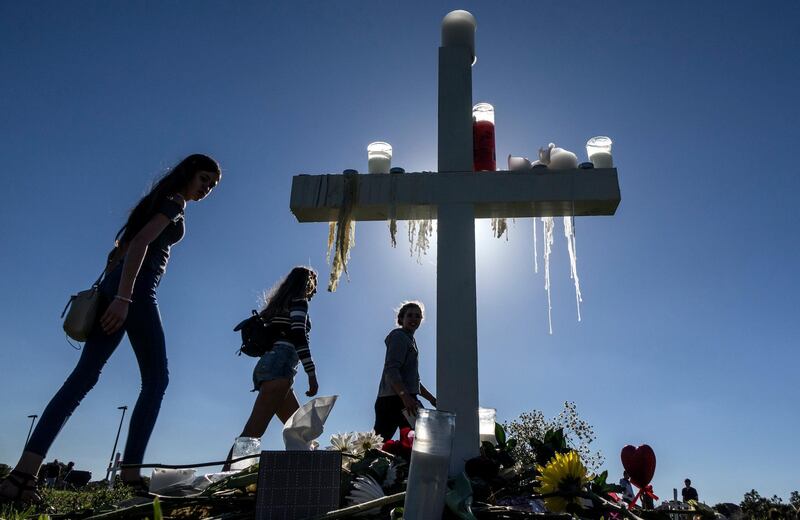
x,y
114,317
312,385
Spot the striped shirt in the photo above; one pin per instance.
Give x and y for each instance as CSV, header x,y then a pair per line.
x,y
297,324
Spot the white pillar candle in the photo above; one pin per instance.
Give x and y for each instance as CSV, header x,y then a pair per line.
x,y
601,160
379,157
599,151
428,473
486,419
430,465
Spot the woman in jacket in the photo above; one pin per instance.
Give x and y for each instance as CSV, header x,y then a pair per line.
x,y
400,385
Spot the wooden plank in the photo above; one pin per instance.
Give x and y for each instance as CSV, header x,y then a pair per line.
x,y
511,194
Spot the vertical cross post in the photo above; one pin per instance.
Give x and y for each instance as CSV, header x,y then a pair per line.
x,y
456,310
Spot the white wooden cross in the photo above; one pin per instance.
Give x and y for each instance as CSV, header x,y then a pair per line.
x,y
456,196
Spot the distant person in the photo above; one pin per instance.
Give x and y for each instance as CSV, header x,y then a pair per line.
x,y
647,501
273,376
628,494
65,477
51,473
688,492
128,292
400,383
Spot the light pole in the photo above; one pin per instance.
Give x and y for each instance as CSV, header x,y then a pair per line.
x,y
113,451
33,420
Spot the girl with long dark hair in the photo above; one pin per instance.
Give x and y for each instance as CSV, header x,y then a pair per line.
x,y
129,305
287,309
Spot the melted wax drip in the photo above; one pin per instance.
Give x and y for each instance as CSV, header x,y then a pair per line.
x,y
419,237
535,249
500,226
547,230
569,233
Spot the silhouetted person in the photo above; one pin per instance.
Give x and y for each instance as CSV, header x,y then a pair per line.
x,y
65,476
51,473
128,305
400,385
688,492
625,482
273,376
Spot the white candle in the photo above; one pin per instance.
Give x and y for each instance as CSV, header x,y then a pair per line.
x,y
599,151
488,437
601,160
378,164
430,465
427,485
486,424
379,157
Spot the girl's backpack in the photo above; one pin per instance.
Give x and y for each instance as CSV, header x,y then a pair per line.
x,y
258,335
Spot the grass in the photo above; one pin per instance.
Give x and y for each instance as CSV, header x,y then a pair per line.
x,y
61,503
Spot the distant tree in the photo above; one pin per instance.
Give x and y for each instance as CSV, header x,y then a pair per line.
x,y
533,425
794,500
756,507
5,469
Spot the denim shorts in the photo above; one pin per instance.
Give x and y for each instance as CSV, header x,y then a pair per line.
x,y
279,363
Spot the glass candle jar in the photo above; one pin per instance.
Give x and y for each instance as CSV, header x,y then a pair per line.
x,y
599,151
486,420
379,157
242,447
430,465
483,148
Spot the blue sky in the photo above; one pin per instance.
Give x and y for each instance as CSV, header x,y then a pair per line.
x,y
688,341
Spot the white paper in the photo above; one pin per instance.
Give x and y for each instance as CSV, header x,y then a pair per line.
x,y
307,423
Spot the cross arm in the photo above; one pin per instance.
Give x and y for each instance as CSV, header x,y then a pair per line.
x,y
510,194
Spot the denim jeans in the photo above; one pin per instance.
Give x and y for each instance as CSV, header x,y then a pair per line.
x,y
279,363
143,326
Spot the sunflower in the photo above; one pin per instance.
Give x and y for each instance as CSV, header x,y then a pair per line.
x,y
566,475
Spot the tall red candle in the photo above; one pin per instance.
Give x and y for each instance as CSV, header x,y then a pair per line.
x,y
483,149
483,153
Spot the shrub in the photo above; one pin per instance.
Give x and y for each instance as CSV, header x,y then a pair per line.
x,y
533,425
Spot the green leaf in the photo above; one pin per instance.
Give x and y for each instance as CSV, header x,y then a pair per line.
x,y
488,449
396,513
600,485
157,510
459,497
511,444
500,434
378,468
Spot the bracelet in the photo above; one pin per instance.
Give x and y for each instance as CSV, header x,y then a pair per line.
x,y
126,300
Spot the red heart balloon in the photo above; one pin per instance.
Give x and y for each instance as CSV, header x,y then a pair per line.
x,y
640,463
